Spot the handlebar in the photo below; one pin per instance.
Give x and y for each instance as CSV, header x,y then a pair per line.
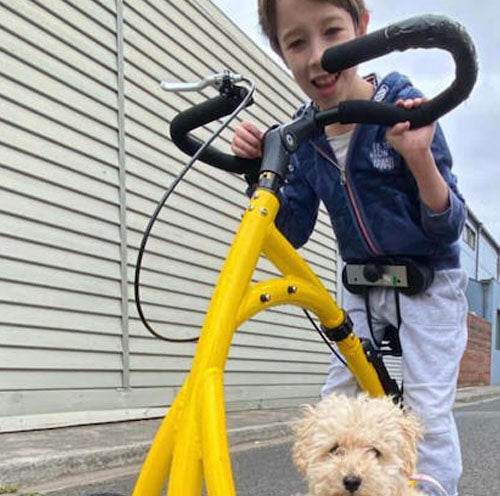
x,y
429,31
202,114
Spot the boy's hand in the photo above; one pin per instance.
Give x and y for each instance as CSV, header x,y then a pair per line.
x,y
415,147
410,143
247,141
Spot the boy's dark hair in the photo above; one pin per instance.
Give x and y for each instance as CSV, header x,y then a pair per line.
x,y
268,21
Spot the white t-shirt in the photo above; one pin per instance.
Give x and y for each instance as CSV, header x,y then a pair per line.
x,y
340,146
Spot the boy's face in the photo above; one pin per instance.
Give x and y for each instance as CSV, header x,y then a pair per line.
x,y
305,28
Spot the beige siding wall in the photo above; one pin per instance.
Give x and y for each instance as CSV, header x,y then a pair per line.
x,y
84,157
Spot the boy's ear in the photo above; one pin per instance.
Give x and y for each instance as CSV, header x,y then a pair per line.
x,y
363,23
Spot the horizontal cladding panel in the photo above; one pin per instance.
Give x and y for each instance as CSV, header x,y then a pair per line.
x,y
274,323
101,12
181,215
178,239
192,197
89,58
252,341
56,318
250,362
182,267
36,275
157,280
83,31
142,87
73,180
60,113
315,247
65,196
78,400
257,378
155,362
171,317
277,322
183,260
58,216
271,392
27,294
34,80
26,402
23,380
40,244
61,339
164,160
196,189
169,300
255,332
167,308
62,70
49,129
58,359
166,259
53,153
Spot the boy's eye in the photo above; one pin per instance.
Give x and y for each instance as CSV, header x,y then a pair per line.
x,y
293,45
332,31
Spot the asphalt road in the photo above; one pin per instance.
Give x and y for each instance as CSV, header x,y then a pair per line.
x,y
266,469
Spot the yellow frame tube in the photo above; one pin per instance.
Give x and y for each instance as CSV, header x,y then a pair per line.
x,y
191,444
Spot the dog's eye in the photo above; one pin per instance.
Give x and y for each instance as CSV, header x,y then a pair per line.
x,y
335,449
376,452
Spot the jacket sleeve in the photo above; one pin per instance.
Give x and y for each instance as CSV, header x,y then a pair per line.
x,y
298,207
446,226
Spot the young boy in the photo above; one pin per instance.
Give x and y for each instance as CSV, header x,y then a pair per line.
x,y
389,192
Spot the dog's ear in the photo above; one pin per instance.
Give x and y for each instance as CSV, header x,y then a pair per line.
x,y
412,433
303,428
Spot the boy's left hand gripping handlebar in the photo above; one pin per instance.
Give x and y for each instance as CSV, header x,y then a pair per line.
x,y
427,31
202,114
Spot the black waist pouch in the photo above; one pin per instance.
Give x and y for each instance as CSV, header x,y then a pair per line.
x,y
409,275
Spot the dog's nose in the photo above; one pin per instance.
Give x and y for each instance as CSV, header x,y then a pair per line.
x,y
352,483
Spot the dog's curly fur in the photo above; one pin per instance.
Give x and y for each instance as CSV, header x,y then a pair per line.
x,y
357,447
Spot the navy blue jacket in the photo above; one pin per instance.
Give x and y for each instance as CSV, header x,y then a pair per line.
x,y
375,209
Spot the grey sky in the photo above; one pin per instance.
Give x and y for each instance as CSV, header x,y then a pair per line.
x,y
473,128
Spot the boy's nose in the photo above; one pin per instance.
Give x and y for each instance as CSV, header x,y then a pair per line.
x,y
317,50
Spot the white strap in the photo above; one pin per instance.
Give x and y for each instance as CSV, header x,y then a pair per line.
x,y
430,480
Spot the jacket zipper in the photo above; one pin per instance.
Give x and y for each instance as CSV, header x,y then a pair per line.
x,y
344,181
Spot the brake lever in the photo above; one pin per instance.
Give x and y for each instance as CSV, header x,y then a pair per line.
x,y
215,80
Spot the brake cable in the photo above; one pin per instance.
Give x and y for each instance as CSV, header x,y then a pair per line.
x,y
222,82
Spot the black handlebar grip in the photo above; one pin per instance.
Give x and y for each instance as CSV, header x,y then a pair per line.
x,y
429,31
198,116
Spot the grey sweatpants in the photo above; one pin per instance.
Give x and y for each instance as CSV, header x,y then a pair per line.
x,y
433,337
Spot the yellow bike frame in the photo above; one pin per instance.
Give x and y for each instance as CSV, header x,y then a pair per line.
x,y
191,445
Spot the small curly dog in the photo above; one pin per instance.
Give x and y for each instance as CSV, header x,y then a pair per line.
x,y
357,446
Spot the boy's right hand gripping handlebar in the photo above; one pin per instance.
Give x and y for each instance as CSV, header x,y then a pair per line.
x,y
428,31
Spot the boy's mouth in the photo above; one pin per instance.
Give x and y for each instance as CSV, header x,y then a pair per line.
x,y
326,81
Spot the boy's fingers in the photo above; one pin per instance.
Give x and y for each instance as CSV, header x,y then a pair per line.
x,y
411,102
244,134
252,129
243,149
400,127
